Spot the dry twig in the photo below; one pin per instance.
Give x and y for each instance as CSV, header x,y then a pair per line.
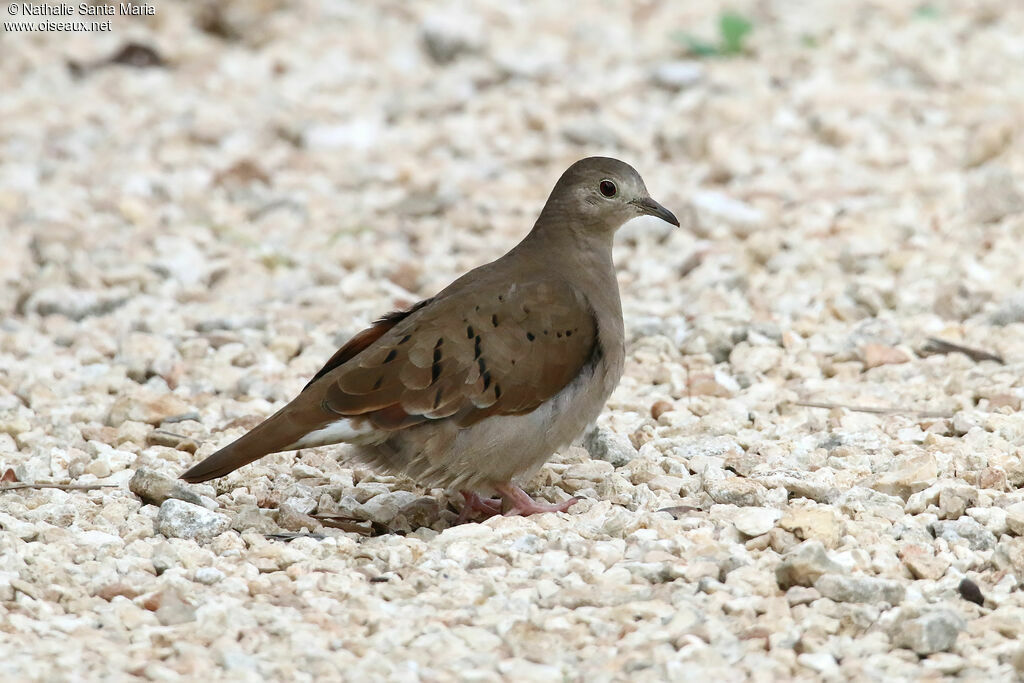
x,y
875,411
935,346
49,485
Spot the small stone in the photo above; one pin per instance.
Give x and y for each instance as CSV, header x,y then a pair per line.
x,y
361,133
422,512
907,476
75,304
163,437
821,662
736,491
677,75
660,408
254,518
713,206
154,488
145,406
932,632
1009,556
384,508
170,608
110,591
178,519
448,36
294,514
604,444
590,133
994,519
208,575
589,470
801,595
1015,518
814,523
301,470
952,498
755,521
954,501
1007,312
945,663
668,483
988,139
922,563
964,529
876,355
804,564
708,384
26,531
992,194
165,557
971,592
860,589
145,354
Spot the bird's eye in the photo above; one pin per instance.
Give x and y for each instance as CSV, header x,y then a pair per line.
x,y
608,188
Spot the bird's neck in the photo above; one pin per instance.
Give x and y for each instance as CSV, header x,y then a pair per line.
x,y
563,235
582,256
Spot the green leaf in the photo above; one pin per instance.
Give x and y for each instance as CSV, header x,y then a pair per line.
x,y
696,46
733,28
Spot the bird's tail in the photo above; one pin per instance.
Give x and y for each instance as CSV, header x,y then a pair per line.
x,y
270,436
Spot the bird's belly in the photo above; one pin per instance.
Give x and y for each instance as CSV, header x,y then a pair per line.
x,y
502,448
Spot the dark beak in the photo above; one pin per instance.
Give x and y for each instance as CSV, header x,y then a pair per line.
x,y
653,208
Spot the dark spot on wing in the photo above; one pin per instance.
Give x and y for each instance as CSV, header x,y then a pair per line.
x,y
494,319
476,348
435,369
497,391
487,380
391,355
437,397
529,335
404,339
469,332
380,381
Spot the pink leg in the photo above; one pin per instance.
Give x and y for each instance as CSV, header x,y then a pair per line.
x,y
516,501
474,503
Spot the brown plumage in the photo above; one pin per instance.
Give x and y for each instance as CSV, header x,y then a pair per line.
x,y
479,384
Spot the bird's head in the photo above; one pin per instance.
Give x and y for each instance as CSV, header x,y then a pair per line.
x,y
598,195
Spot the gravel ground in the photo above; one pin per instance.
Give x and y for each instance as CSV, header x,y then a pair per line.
x,y
186,242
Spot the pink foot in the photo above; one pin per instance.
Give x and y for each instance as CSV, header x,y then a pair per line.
x,y
516,501
488,507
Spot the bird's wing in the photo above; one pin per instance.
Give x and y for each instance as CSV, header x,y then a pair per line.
x,y
502,349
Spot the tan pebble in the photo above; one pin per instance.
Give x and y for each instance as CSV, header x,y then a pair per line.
x,y
660,408
759,542
992,478
111,590
876,355
1004,401
101,433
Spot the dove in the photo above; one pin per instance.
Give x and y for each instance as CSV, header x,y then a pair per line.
x,y
475,388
